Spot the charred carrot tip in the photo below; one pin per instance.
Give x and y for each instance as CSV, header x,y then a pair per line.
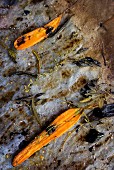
x,y
37,35
57,128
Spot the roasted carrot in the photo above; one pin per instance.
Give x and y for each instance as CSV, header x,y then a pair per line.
x,y
37,35
57,128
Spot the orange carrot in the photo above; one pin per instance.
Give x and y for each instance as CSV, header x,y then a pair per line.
x,y
37,35
57,128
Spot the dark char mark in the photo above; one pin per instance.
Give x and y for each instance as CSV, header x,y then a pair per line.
x,y
50,129
49,30
20,41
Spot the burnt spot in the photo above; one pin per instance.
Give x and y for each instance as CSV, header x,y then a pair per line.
x,y
93,135
49,30
50,129
20,41
29,37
